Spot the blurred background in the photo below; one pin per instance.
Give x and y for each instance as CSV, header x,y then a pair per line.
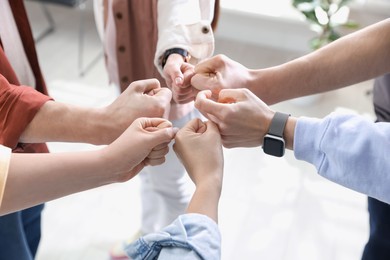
x,y
271,208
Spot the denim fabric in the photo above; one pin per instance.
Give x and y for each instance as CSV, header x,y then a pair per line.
x,y
20,233
190,236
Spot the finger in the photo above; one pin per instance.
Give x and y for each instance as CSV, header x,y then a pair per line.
x,y
205,81
188,73
160,146
185,100
195,126
158,154
152,123
212,127
161,128
163,93
154,162
207,106
182,91
173,72
145,86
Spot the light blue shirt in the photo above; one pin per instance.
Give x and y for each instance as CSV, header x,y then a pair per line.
x,y
349,150
190,236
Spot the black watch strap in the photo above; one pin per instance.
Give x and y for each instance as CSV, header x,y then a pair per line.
x,y
168,52
278,124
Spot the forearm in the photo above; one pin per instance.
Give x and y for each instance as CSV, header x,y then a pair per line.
x,y
67,123
51,176
349,150
183,24
353,58
205,201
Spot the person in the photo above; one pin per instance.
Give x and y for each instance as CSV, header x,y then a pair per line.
x,y
23,104
161,39
195,234
378,244
30,179
353,58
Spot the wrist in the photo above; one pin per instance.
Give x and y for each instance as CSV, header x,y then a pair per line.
x,y
289,131
174,51
102,130
211,182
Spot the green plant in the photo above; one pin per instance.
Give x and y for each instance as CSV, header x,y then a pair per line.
x,y
326,17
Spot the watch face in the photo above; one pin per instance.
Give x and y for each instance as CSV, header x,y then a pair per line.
x,y
273,145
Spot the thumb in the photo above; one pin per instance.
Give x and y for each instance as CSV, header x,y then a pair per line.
x,y
177,77
160,130
163,93
145,86
206,105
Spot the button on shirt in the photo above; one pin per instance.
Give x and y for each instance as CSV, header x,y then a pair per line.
x,y
190,236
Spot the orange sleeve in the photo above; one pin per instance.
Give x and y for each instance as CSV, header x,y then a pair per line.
x,y
18,106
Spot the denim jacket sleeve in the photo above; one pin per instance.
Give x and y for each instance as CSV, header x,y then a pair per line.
x,y
349,150
190,236
187,25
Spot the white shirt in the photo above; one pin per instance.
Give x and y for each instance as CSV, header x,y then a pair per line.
x,y
5,156
13,46
181,24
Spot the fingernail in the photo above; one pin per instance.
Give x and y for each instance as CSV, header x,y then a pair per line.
x,y
178,81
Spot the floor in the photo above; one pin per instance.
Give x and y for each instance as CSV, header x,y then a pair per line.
x,y
271,208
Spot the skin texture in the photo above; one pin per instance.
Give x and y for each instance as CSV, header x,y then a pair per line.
x,y
178,74
144,98
37,178
198,146
244,118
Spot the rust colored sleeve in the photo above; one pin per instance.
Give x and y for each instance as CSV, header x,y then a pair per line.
x,y
18,106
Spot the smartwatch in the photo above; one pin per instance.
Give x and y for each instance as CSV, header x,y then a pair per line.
x,y
273,142
180,51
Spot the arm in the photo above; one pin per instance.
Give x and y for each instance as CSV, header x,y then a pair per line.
x,y
19,105
62,122
194,235
353,58
346,149
349,150
198,146
185,25
36,178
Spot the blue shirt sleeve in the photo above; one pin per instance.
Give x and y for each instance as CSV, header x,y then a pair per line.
x,y
349,150
190,236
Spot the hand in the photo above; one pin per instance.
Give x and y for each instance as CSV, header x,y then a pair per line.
x,y
145,142
143,98
178,74
242,118
220,72
198,146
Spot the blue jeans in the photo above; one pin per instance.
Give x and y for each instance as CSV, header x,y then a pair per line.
x,y
378,245
20,233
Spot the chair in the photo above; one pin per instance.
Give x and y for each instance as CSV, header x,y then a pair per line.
x,y
80,5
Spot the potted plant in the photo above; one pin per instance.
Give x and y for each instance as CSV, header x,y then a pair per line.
x,y
326,17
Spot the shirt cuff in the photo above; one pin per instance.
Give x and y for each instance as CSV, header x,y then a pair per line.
x,y
197,39
5,157
195,233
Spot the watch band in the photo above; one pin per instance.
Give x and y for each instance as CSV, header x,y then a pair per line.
x,y
168,52
278,124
